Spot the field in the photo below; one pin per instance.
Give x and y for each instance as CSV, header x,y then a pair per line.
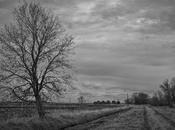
x,y
89,117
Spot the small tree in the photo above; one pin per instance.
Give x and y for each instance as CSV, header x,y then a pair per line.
x,y
114,102
173,89
118,102
166,88
81,100
108,102
34,55
158,99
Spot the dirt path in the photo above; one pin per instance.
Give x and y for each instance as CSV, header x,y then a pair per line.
x,y
146,125
137,118
127,120
168,119
159,121
90,123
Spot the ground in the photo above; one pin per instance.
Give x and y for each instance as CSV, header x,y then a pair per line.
x,y
136,118
121,117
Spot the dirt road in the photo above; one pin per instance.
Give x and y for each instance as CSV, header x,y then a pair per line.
x,y
137,118
158,120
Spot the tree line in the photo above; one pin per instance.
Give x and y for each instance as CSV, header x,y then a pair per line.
x,y
165,96
107,102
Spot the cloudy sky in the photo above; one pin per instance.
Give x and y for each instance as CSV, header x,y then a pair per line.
x,y
122,46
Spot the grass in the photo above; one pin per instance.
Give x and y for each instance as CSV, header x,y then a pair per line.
x,y
11,110
57,119
6,113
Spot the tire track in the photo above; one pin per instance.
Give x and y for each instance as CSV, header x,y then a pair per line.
x,y
171,122
146,124
96,122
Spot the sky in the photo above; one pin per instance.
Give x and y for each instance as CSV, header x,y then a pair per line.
x,y
122,46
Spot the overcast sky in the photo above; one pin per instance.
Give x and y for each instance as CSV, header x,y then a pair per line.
x,y
122,45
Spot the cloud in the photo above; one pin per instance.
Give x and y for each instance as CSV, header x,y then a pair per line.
x,y
138,65
7,3
121,45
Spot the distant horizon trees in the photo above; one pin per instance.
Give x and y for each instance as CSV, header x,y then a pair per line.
x,y
164,96
106,102
138,98
166,88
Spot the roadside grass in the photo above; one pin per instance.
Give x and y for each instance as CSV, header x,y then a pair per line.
x,y
157,120
57,119
166,111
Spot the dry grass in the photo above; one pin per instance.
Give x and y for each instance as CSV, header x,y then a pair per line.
x,y
156,121
56,119
127,120
168,112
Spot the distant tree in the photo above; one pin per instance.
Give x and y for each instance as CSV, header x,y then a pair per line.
x,y
161,97
167,89
158,99
167,94
34,55
108,102
127,101
154,100
113,102
103,102
95,102
140,98
130,100
81,100
98,102
173,89
118,102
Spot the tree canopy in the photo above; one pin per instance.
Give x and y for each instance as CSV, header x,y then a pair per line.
x,y
34,53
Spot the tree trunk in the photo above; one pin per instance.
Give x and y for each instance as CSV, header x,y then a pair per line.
x,y
170,101
39,107
170,104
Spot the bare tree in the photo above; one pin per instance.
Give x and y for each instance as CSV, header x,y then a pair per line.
x,y
173,88
166,88
81,100
34,54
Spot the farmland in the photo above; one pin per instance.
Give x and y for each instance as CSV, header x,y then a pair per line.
x,y
89,117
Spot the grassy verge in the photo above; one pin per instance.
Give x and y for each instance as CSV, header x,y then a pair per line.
x,y
56,120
